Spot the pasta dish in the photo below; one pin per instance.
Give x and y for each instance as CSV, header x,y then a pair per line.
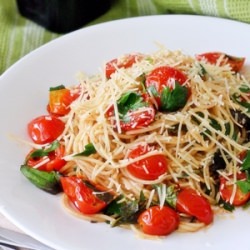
x,y
155,142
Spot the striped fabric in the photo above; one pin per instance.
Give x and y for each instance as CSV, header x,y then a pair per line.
x,y
19,36
232,9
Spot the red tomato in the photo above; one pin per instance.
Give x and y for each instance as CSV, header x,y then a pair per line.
x,y
126,62
149,168
60,100
81,195
55,160
164,76
191,203
139,118
45,129
157,221
226,191
236,63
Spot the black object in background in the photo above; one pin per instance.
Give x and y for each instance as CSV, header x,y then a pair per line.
x,y
62,16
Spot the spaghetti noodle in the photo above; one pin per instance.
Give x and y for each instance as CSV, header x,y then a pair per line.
x,y
191,138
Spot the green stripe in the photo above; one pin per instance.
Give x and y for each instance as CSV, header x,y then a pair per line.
x,y
19,36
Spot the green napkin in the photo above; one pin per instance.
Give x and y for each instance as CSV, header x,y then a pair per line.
x,y
19,36
232,9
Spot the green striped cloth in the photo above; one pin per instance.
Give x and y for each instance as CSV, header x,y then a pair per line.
x,y
19,36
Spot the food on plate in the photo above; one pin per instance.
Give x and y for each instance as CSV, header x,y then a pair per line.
x,y
156,142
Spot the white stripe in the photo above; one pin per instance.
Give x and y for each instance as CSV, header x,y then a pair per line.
x,y
146,7
208,7
191,5
226,8
11,46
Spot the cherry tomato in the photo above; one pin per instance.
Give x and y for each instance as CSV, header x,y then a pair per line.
x,y
138,118
236,63
162,77
158,221
81,195
226,190
149,168
60,100
165,76
191,203
55,160
45,129
135,119
125,62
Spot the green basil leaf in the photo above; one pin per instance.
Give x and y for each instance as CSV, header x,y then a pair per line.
x,y
236,98
57,88
244,89
246,162
88,150
244,186
202,71
125,210
45,151
129,101
47,181
172,100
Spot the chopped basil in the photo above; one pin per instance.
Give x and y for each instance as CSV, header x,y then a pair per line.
x,y
126,211
172,100
226,205
246,162
129,101
244,89
244,186
57,88
202,71
47,181
44,151
88,150
237,98
105,196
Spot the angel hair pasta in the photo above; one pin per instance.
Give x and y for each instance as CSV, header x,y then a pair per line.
x,y
155,142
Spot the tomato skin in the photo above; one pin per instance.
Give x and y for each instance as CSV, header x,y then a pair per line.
x,y
165,76
226,191
81,195
59,100
193,204
126,62
156,221
55,160
138,119
236,63
45,129
156,165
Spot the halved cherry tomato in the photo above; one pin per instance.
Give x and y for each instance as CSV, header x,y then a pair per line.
x,y
236,63
149,168
135,119
125,62
139,118
226,190
162,77
55,160
81,195
191,203
45,129
60,100
158,221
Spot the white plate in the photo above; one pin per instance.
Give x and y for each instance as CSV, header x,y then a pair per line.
x,y
23,95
